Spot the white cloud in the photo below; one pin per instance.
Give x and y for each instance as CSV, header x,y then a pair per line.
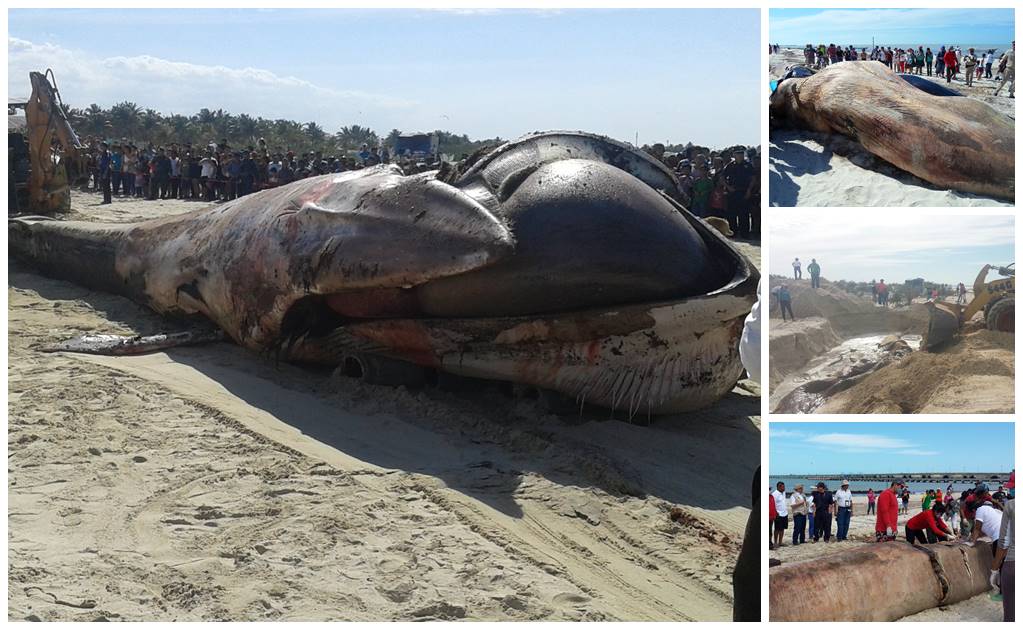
x,y
786,433
859,441
917,452
185,88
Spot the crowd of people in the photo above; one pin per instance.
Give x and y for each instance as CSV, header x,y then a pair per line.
x,y
725,186
214,172
718,185
947,61
944,516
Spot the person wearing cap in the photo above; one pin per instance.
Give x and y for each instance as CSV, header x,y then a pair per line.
x,y
823,502
799,508
988,518
1003,568
781,522
886,526
844,507
927,527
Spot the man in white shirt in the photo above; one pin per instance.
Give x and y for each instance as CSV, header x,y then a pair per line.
x,y
843,503
797,269
781,522
988,519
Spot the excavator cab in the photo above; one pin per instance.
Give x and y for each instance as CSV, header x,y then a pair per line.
x,y
997,299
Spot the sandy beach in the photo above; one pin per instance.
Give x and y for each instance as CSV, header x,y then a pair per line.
x,y
208,483
813,169
861,532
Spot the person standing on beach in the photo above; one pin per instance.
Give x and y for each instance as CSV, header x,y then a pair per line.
x,y
815,274
1009,73
871,501
873,291
772,514
929,58
104,171
844,507
970,64
927,527
781,522
905,501
808,55
950,64
1003,568
799,509
797,269
989,60
928,499
886,526
823,503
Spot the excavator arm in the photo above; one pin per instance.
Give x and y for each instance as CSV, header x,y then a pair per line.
x,y
53,147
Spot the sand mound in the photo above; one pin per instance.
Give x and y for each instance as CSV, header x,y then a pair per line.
x,y
974,375
794,343
827,301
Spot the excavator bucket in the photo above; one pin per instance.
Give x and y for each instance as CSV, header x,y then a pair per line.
x,y
943,325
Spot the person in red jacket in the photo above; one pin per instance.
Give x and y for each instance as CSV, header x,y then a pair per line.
x,y
927,526
772,513
951,62
887,527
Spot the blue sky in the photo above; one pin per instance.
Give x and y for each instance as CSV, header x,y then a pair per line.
x,y
894,246
480,72
798,448
891,26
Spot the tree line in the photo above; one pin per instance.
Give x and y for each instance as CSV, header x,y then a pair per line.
x,y
142,125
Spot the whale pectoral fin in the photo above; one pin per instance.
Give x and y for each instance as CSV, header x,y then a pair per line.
x,y
124,345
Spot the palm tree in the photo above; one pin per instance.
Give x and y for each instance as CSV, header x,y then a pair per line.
x,y
355,136
124,117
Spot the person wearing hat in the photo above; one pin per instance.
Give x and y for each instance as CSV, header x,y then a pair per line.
x,y
781,521
799,508
887,525
844,506
1003,568
823,504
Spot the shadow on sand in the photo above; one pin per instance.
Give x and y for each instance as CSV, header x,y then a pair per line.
x,y
482,442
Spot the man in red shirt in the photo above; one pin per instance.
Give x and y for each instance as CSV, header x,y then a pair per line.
x,y
950,64
888,513
927,526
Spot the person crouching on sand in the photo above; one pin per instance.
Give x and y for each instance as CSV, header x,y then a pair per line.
x,y
927,526
887,525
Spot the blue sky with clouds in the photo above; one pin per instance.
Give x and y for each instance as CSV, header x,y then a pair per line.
x,y
480,72
892,26
894,246
798,448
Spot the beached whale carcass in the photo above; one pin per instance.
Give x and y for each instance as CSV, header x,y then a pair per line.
x,y
559,260
954,143
879,582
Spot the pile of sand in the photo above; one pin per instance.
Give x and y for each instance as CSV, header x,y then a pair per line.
x,y
975,374
794,343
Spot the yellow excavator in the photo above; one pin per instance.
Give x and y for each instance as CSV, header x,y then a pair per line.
x,y
997,299
56,155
